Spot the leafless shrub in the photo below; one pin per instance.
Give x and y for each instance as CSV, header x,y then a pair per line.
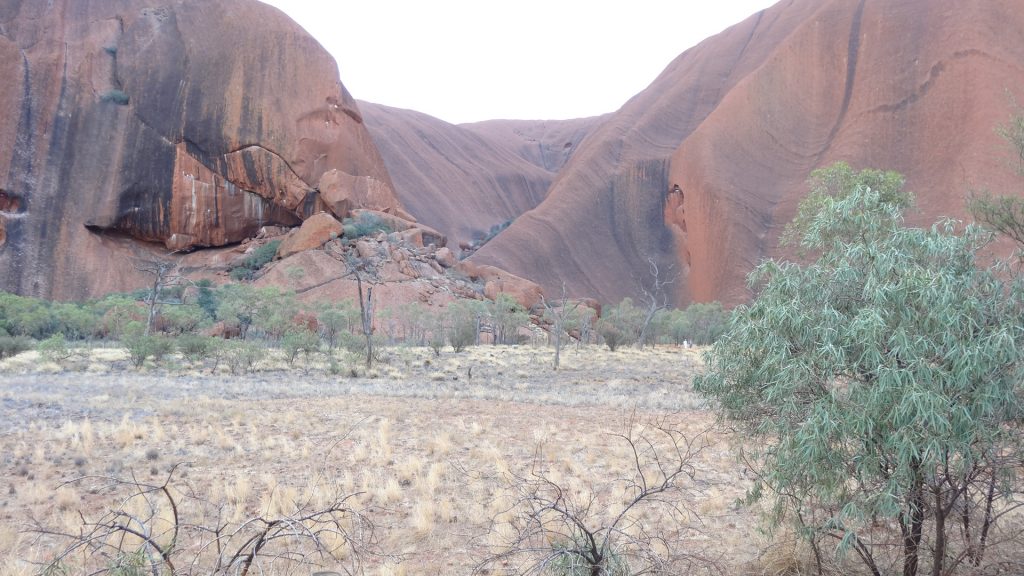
x,y
604,526
169,529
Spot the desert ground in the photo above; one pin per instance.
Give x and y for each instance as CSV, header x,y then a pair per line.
x,y
431,452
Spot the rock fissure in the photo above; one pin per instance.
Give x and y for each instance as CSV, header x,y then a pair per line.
x,y
936,71
852,56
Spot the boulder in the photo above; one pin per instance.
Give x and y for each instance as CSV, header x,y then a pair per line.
x,y
445,258
316,231
497,281
342,192
413,237
271,232
367,249
223,330
399,224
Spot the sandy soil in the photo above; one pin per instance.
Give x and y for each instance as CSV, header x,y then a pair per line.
x,y
427,445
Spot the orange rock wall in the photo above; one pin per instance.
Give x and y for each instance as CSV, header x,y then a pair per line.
x,y
739,122
188,123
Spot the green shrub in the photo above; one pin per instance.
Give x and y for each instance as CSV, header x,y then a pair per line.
x,y
259,258
462,322
22,316
295,342
364,225
612,334
436,341
55,349
14,345
196,347
183,318
262,255
241,273
242,356
620,325
141,346
116,96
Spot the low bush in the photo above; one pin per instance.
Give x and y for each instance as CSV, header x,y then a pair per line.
x,y
55,349
141,346
14,345
195,347
295,342
364,225
243,356
258,259
116,96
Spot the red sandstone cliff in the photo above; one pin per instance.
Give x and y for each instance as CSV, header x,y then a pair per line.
x,y
463,179
186,123
740,120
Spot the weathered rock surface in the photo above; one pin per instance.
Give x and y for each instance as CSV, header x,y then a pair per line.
x,y
316,231
181,122
496,282
421,233
739,121
445,258
464,179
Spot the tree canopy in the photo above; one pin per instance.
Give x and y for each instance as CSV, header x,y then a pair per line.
x,y
879,384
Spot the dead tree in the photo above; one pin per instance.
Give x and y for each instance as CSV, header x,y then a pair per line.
x,y
167,529
364,270
165,275
552,528
655,297
559,312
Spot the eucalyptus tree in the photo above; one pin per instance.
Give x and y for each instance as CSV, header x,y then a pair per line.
x,y
879,385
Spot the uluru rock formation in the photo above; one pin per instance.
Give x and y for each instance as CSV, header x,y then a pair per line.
x,y
739,121
185,123
464,179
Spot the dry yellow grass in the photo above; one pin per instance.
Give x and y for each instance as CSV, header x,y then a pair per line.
x,y
431,457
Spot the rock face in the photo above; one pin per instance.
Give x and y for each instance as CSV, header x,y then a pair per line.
x,y
316,231
496,282
739,121
463,179
184,122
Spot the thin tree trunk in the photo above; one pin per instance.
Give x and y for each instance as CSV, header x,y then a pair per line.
x,y
558,341
939,553
912,533
987,522
366,315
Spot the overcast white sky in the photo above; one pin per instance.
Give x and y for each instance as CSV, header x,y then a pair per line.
x,y
470,60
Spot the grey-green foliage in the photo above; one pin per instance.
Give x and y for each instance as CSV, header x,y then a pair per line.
x,y
242,356
700,323
1002,214
14,345
835,183
131,564
1013,132
118,97
570,559
461,324
299,341
506,318
196,347
619,325
256,260
364,224
141,346
1005,214
879,386
55,349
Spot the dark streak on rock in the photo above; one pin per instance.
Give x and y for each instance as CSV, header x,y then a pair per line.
x,y
852,55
